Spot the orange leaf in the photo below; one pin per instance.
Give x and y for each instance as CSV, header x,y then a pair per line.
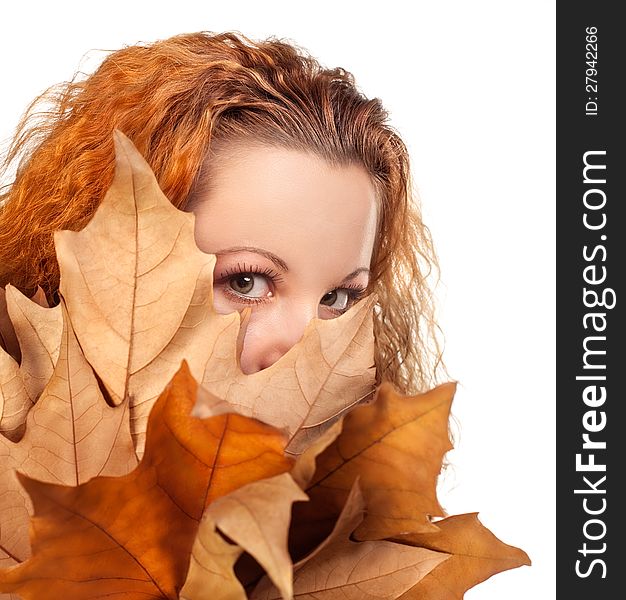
x,y
477,554
395,445
133,534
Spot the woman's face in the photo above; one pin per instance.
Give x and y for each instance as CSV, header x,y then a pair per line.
x,y
293,238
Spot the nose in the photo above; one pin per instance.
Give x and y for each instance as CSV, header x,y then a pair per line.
x,y
274,334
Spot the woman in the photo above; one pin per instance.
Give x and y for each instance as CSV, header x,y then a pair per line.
x,y
299,186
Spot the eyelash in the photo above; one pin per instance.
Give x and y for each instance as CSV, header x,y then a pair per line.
x,y
355,291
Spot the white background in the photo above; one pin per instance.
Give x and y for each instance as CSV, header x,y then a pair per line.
x,y
471,88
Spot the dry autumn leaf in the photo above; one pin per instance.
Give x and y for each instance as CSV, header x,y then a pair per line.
x,y
328,372
8,338
14,401
39,329
142,526
140,295
211,573
138,289
395,445
304,469
71,436
340,568
477,554
256,517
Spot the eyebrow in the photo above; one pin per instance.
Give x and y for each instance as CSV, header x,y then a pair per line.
x,y
355,273
279,262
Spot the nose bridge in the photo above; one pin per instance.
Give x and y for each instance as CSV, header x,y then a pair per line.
x,y
287,330
292,323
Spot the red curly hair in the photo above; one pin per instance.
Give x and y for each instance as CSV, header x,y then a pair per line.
x,y
173,99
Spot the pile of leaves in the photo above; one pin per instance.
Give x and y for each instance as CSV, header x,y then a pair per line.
x,y
138,461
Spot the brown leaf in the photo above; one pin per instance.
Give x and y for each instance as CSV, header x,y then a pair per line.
x,y
395,445
328,372
8,339
304,469
257,518
351,515
142,526
477,554
71,436
39,330
139,290
356,570
211,573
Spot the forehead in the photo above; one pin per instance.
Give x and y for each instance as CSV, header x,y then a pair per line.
x,y
275,172
268,196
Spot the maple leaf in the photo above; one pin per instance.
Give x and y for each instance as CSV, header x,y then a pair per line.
x,y
140,295
71,436
370,570
328,372
29,324
133,534
477,554
395,445
139,290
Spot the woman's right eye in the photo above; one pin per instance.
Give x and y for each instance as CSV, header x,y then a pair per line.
x,y
249,284
246,284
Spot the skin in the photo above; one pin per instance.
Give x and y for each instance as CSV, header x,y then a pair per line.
x,y
316,221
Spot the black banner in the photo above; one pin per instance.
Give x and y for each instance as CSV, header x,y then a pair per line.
x,y
591,250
